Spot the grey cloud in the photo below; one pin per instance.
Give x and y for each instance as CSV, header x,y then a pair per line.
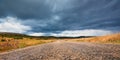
x,y
25,9
70,14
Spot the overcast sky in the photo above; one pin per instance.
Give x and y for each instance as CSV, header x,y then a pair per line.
x,y
60,17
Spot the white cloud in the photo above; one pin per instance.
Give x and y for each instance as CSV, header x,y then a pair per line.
x,y
11,24
76,33
90,32
36,34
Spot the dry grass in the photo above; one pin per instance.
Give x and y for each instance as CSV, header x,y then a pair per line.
x,y
10,43
114,39
28,42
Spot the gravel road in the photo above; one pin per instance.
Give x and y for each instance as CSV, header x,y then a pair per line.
x,y
61,50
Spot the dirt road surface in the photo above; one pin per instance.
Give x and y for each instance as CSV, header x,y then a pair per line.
x,y
61,50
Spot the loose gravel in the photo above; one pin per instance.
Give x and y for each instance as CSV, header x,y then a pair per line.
x,y
65,51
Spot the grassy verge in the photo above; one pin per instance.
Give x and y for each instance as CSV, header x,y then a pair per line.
x,y
9,44
97,41
112,39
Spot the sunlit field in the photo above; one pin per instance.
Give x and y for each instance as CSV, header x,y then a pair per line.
x,y
13,41
113,39
7,44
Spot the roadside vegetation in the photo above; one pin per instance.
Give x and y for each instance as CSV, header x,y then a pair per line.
x,y
10,41
113,39
15,41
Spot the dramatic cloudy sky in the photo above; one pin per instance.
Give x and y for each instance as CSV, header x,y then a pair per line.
x,y
60,17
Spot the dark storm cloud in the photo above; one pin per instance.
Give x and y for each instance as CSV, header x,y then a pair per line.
x,y
60,15
24,9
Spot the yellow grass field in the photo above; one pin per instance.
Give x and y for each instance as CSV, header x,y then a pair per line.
x,y
113,39
7,44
